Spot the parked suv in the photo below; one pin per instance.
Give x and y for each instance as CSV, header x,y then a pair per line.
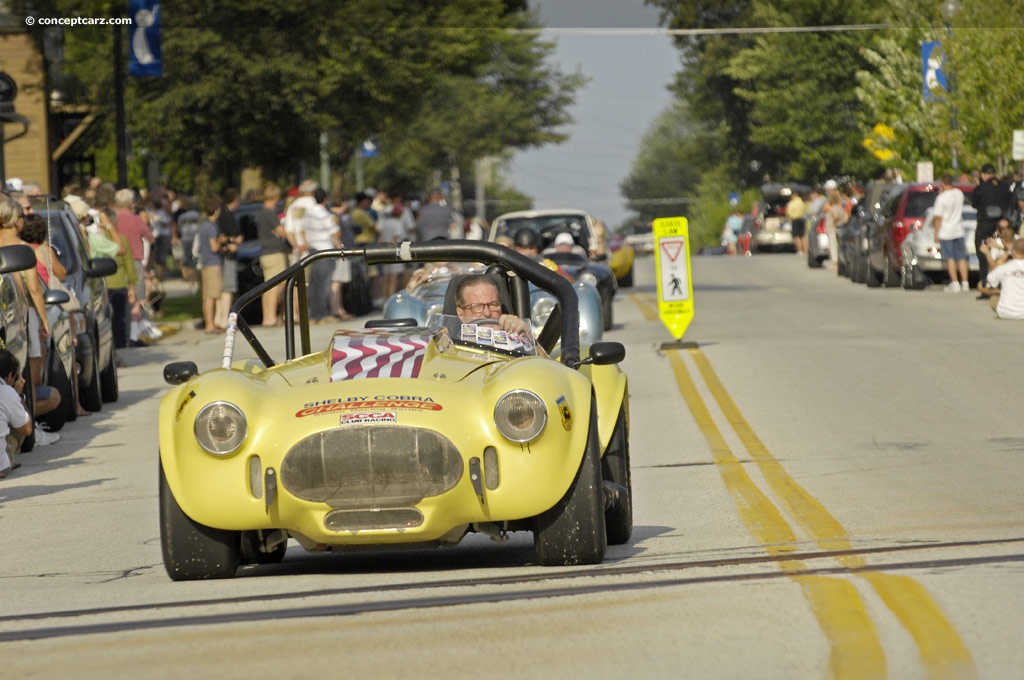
x,y
94,352
903,211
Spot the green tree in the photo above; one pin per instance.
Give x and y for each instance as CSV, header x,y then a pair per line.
x,y
664,170
511,100
255,82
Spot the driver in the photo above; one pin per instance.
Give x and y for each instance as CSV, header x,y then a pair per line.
x,y
564,244
527,242
477,298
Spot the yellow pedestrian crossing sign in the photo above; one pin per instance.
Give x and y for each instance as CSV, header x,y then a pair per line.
x,y
672,270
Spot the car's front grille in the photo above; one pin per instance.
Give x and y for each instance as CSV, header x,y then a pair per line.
x,y
371,466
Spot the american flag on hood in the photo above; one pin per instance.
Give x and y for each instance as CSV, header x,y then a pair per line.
x,y
361,354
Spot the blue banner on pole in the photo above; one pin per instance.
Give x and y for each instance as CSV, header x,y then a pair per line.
x,y
933,60
369,149
144,38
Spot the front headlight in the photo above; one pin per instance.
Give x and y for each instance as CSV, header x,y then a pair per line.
x,y
520,416
588,277
541,310
220,427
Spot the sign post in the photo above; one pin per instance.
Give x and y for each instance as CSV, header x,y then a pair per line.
x,y
672,270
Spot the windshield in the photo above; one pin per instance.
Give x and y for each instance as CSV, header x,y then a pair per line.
x,y
482,334
548,226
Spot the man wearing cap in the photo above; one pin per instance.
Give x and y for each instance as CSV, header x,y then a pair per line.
x,y
564,243
436,219
991,198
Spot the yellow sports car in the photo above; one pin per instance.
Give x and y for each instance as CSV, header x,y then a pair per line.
x,y
621,260
400,433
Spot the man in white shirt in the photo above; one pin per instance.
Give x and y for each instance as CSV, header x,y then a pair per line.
x,y
948,223
293,218
320,231
1006,285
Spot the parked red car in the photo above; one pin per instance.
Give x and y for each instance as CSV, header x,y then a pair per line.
x,y
903,210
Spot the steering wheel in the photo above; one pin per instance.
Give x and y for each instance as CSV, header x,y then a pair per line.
x,y
486,321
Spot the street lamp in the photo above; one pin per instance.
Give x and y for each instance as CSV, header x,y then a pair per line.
x,y
950,8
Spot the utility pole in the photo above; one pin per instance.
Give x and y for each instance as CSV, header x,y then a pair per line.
x,y
120,124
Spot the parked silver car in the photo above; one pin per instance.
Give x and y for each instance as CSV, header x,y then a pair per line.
x,y
921,261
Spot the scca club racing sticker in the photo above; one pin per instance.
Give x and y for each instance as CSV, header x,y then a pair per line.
x,y
367,417
377,403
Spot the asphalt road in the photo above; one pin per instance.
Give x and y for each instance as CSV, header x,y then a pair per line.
x,y
827,484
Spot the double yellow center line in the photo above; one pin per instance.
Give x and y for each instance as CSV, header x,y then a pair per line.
x,y
856,651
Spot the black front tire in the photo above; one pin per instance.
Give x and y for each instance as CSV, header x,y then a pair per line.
x,y
573,532
193,551
58,380
889,277
606,312
89,387
109,391
615,468
627,280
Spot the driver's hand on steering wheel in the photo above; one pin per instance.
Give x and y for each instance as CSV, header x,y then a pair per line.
x,y
511,323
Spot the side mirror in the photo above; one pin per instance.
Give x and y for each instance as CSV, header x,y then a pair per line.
x,y
180,372
605,354
101,266
16,258
56,297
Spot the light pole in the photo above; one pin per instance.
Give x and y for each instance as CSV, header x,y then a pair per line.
x,y
950,8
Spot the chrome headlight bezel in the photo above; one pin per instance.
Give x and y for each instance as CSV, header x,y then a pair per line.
x,y
588,277
228,416
521,406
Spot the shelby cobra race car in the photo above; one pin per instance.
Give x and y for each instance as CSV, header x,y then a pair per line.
x,y
398,433
427,299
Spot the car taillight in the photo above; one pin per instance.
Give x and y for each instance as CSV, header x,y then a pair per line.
x,y
821,226
899,232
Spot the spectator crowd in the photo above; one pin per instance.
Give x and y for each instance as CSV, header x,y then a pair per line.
x,y
998,236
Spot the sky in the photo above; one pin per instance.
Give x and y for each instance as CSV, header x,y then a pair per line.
x,y
629,76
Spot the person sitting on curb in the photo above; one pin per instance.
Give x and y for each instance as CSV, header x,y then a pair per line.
x,y
15,422
1006,285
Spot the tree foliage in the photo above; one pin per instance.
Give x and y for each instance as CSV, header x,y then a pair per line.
x,y
799,106
255,82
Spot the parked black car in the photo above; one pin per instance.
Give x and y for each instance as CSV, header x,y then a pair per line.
x,y
853,244
250,274
95,352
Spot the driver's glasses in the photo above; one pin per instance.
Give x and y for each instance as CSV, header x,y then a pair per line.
x,y
481,307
